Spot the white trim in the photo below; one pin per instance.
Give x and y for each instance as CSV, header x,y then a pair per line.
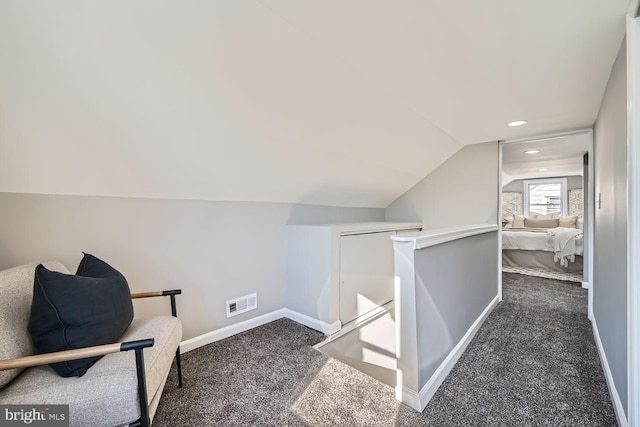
x,y
409,397
633,212
227,331
359,322
563,193
545,137
429,389
500,220
585,285
613,392
318,325
379,227
591,215
428,238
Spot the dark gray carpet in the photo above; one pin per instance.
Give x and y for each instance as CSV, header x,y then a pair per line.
x,y
533,363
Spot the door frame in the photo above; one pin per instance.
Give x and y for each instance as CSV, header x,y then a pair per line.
x,y
499,220
590,207
633,212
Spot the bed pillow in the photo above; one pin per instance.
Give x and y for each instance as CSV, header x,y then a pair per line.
x,y
507,222
553,215
580,224
540,223
68,311
570,222
518,221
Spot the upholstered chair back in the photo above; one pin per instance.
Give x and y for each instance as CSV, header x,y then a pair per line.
x,y
16,293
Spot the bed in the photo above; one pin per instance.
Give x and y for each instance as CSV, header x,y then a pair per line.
x,y
553,249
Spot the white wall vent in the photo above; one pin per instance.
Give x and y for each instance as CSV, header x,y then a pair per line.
x,y
241,305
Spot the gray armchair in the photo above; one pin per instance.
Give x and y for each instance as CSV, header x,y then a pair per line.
x,y
119,389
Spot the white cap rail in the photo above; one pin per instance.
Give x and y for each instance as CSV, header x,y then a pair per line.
x,y
426,238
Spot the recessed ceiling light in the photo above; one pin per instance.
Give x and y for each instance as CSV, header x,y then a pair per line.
x,y
543,169
517,123
532,152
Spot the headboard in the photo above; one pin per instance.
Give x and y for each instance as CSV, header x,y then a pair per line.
x,y
511,203
576,202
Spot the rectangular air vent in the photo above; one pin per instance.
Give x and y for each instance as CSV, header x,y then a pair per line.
x,y
241,305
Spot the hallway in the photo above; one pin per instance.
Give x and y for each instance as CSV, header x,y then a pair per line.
x,y
533,362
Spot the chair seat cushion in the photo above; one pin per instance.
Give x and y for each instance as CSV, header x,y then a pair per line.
x,y
107,394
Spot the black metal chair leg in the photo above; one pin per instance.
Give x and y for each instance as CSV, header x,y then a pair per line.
x,y
142,389
179,367
172,295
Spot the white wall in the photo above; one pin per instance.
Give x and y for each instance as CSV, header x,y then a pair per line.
x,y
214,251
463,190
212,100
610,238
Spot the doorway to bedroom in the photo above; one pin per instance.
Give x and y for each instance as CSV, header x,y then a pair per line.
x,y
546,209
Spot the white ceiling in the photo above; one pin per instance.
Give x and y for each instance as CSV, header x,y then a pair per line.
x,y
560,155
329,102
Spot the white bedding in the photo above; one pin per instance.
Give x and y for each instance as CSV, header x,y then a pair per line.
x,y
534,239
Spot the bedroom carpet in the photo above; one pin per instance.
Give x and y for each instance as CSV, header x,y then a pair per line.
x,y
533,362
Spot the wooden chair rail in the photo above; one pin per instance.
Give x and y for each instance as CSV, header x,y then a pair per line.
x,y
80,353
146,294
59,356
156,293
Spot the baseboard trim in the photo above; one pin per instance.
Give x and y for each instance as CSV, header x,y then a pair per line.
x,y
613,392
438,377
318,325
227,331
409,397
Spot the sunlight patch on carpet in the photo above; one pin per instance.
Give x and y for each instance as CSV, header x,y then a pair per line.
x,y
339,395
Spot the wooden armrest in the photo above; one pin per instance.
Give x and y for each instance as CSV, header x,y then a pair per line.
x,y
156,293
171,293
146,294
80,353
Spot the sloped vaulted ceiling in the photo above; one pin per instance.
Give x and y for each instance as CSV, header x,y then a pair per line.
x,y
325,102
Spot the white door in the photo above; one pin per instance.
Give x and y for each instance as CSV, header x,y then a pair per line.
x,y
366,273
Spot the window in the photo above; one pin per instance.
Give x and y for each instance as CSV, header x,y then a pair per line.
x,y
545,196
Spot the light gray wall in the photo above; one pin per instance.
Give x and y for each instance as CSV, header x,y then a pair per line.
x,y
309,289
573,182
461,191
610,238
455,282
214,251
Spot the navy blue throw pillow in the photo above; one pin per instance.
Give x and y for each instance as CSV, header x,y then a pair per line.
x,y
92,307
